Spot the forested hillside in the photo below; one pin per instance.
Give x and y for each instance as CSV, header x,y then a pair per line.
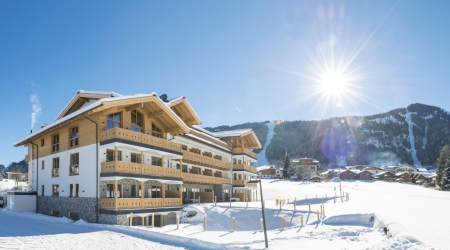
x,y
413,135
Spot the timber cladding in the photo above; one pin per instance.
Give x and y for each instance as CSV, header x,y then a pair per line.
x,y
86,136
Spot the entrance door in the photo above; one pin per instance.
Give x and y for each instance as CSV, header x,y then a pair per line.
x,y
158,220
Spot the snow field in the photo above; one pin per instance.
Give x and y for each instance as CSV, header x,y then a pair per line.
x,y
415,217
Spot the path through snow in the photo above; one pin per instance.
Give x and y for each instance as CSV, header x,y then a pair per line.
x,y
408,119
262,160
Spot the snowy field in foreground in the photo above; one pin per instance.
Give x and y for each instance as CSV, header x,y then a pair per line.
x,y
415,216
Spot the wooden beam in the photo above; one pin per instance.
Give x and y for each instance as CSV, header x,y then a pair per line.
x,y
135,106
108,111
156,114
174,129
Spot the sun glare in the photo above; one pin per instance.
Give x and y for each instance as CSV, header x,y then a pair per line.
x,y
333,83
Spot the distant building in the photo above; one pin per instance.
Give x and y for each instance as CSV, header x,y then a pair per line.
x,y
270,172
307,167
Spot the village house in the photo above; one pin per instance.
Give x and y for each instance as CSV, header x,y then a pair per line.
x,y
306,167
364,175
136,159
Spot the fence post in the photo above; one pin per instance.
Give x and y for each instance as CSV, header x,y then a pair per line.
x,y
199,200
318,218
178,222
234,224
282,222
323,213
295,207
301,220
131,219
280,205
204,223
334,198
309,204
261,224
264,204
215,200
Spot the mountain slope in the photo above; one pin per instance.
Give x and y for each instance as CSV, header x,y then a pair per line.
x,y
413,135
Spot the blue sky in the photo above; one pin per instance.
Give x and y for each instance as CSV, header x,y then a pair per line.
x,y
235,61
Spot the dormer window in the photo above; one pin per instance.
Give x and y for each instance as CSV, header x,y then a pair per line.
x,y
156,132
137,121
113,121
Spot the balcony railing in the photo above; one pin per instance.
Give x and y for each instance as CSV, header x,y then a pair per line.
x,y
244,151
131,203
243,183
206,161
125,134
204,179
55,172
245,167
136,168
74,170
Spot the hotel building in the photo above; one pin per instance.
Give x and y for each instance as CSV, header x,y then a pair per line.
x,y
108,157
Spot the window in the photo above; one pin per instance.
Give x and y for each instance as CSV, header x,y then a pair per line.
x,y
137,121
156,132
185,168
42,142
113,120
55,213
208,190
73,142
73,216
110,190
111,157
133,191
136,158
184,147
42,190
55,190
70,190
42,165
74,167
156,192
55,143
178,166
156,161
77,188
55,167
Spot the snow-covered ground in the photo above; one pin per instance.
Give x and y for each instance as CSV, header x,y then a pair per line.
x,y
416,218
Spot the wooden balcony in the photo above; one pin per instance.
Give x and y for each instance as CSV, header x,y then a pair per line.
x,y
206,161
131,203
136,168
244,151
245,167
204,179
243,183
125,134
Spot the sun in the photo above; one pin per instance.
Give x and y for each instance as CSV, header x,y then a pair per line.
x,y
333,83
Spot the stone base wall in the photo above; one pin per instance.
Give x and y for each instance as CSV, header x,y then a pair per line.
x,y
113,219
219,191
84,207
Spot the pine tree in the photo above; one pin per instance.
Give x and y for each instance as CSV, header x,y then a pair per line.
x,y
443,168
287,164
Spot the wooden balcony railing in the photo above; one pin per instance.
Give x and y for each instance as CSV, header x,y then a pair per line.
x,y
131,203
125,134
136,168
204,179
244,151
243,183
206,161
245,167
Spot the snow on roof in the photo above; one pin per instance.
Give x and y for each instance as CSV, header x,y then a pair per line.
x,y
209,142
231,133
422,170
203,130
428,175
83,110
402,173
175,99
112,93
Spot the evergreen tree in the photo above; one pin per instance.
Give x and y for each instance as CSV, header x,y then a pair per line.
x,y
443,168
287,164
